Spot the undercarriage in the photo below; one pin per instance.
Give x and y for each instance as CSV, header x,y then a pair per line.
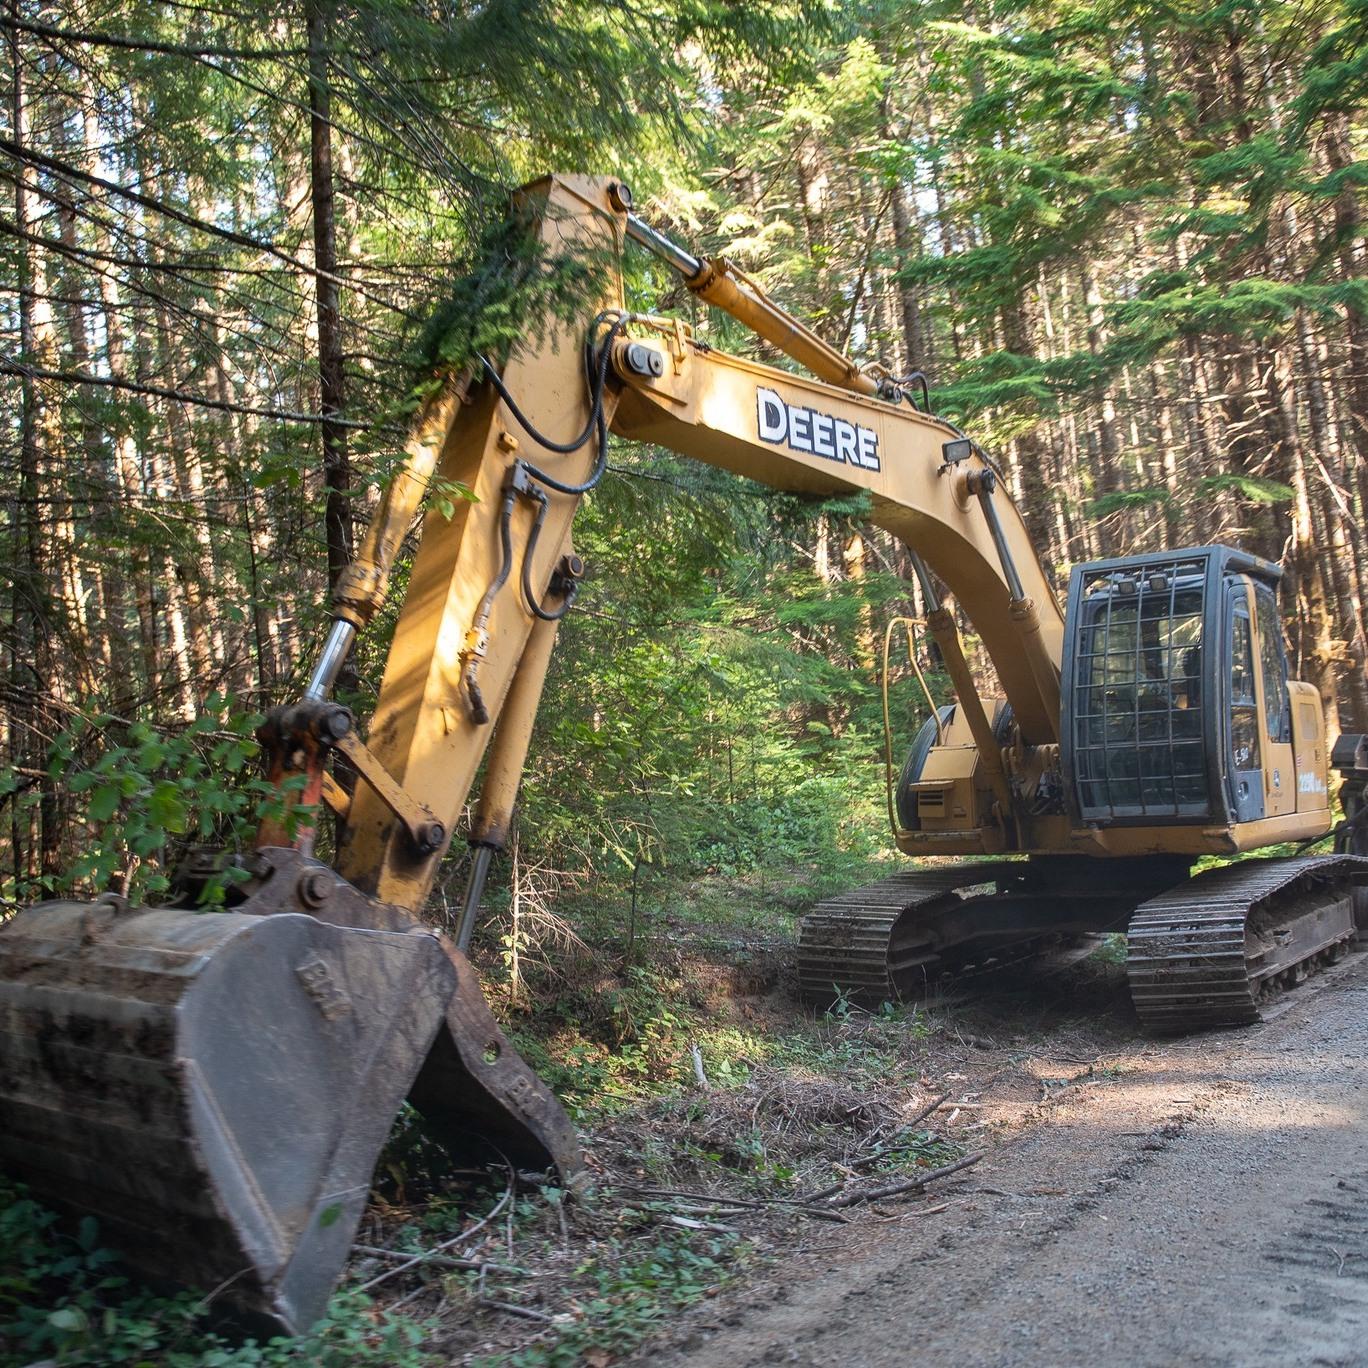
x,y
1202,951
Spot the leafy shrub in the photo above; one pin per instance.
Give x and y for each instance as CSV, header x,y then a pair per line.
x,y
64,1299
634,1297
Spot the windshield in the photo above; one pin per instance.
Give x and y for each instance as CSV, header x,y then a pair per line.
x,y
1138,743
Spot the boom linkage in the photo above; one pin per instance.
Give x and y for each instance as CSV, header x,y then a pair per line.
x,y
461,667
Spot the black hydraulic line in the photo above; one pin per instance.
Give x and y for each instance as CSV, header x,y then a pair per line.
x,y
917,377
930,593
529,552
478,711
1349,827
595,426
987,482
520,478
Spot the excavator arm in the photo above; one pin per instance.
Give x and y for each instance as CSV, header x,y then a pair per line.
x,y
479,619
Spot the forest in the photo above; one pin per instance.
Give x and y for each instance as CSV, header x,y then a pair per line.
x,y
1123,241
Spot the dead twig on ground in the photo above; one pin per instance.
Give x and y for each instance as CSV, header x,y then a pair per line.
x,y
444,1261
909,1184
926,1111
801,1205
526,1312
429,1254
409,1297
893,1145
690,1223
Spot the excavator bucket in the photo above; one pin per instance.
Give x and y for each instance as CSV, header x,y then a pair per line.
x,y
215,1087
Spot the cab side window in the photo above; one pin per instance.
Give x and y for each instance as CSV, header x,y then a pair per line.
x,y
1244,726
1273,664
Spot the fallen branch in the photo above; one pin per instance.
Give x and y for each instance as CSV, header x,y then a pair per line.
x,y
884,1151
910,1184
695,1196
890,1146
799,1204
689,1223
444,1261
526,1312
411,1296
926,1111
430,1254
823,1193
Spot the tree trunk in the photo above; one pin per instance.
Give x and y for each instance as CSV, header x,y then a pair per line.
x,y
33,660
906,238
331,380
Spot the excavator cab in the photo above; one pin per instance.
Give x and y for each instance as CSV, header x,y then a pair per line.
x,y
1177,707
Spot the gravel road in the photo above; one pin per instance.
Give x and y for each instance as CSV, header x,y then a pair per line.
x,y
1205,1205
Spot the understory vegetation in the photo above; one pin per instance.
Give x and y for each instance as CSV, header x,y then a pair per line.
x,y
786,1103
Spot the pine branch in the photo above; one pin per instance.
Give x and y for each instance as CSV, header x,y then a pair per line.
x,y
57,167
113,40
11,366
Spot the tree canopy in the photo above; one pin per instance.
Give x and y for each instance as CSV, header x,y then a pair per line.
x,y
1123,241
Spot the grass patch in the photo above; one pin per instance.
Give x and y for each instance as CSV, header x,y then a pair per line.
x,y
632,1291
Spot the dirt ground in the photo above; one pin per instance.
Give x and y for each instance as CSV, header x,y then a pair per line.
x,y
1135,1202
1199,1202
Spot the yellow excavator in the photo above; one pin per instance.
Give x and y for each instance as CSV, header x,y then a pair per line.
x,y
215,1085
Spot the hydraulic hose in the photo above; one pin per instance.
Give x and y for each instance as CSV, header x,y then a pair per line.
x,y
598,377
917,377
528,597
478,710
520,481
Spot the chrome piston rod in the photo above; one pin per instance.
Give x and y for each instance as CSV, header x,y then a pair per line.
x,y
331,659
684,262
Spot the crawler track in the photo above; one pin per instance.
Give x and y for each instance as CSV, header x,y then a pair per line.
x,y
1205,953
865,943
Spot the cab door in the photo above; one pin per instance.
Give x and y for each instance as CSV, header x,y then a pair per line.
x,y
1243,721
1275,707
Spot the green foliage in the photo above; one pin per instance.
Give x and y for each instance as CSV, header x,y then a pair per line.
x,y
733,717
620,1036
1256,488
152,790
149,791
1122,499
505,295
64,1299
636,1296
